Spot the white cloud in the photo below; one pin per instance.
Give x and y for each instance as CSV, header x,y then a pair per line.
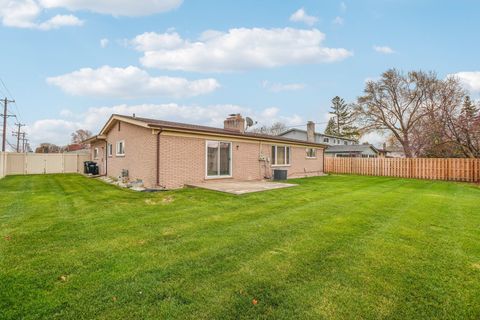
x,y
60,21
301,16
104,42
26,13
115,7
237,49
129,82
375,138
469,79
338,21
383,49
151,41
278,87
343,6
58,130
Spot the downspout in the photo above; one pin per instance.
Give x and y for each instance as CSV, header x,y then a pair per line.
x,y
106,158
158,157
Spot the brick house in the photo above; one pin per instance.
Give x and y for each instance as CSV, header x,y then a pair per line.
x,y
170,155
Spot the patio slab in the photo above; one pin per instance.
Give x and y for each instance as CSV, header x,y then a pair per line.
x,y
241,187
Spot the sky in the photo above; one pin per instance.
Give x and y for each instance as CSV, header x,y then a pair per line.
x,y
70,64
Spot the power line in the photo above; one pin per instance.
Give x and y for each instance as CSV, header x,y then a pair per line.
x,y
11,97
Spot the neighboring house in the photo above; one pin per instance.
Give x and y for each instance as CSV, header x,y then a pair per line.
x,y
170,155
337,146
319,137
353,151
77,148
394,152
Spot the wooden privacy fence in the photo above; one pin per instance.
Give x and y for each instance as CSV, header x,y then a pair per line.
x,y
419,168
41,163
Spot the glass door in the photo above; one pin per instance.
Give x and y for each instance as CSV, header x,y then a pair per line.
x,y
219,159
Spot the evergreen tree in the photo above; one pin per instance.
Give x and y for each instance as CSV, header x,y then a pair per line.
x,y
342,122
469,109
331,128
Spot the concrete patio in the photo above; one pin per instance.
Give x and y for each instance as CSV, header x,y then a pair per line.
x,y
241,187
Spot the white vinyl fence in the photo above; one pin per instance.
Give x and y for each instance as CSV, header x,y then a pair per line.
x,y
41,163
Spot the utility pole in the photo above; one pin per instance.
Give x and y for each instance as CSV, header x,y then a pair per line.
x,y
17,134
24,142
5,116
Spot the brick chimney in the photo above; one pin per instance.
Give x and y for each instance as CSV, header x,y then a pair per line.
x,y
311,131
235,122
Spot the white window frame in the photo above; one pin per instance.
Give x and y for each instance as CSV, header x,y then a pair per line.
x,y
287,159
110,150
117,148
219,176
314,153
95,153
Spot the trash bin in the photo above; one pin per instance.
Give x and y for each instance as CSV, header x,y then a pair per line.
x,y
86,167
90,167
280,174
93,168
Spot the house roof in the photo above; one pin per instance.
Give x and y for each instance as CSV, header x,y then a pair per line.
x,y
178,126
354,148
317,134
75,147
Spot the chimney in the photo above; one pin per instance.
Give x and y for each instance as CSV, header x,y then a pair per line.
x,y
234,122
311,131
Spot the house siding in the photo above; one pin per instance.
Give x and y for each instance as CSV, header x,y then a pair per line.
x,y
140,153
319,138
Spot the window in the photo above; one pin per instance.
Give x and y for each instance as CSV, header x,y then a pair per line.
x,y
219,159
120,148
345,143
326,140
110,149
311,153
280,155
95,153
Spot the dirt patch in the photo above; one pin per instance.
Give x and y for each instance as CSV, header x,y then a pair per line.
x,y
168,199
476,266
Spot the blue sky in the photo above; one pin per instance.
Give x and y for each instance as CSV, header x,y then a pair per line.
x,y
70,63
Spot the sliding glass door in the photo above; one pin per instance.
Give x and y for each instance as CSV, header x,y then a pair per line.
x,y
219,159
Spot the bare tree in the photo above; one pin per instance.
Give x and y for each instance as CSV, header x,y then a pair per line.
x,y
462,125
48,148
395,103
80,135
431,139
274,130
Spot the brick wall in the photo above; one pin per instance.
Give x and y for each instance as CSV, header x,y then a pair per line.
x,y
182,161
100,160
140,153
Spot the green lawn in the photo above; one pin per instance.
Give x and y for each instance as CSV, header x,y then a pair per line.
x,y
337,247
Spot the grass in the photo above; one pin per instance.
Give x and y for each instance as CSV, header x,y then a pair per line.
x,y
337,247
